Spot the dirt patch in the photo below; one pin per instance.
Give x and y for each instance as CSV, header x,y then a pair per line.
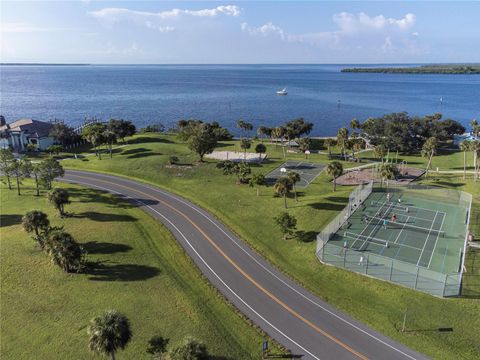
x,y
236,156
364,176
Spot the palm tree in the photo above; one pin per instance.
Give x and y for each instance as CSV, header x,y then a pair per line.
x,y
109,138
354,124
241,125
263,131
279,133
304,145
388,172
245,144
294,178
275,134
64,251
20,169
59,198
357,145
244,126
475,148
282,188
475,127
109,332
335,169
34,169
329,142
257,180
428,150
94,134
342,138
260,149
36,221
465,146
287,224
189,349
242,170
379,151
6,159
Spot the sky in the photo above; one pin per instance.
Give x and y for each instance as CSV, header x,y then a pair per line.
x,y
224,32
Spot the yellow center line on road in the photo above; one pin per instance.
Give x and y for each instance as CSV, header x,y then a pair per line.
x,y
240,270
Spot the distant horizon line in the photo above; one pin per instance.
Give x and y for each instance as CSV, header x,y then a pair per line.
x,y
223,64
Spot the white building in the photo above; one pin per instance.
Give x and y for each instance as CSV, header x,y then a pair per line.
x,y
20,133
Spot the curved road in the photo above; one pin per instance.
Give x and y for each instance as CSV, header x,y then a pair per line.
x,y
300,321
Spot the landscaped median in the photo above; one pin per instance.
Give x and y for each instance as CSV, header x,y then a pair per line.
x,y
134,265
378,304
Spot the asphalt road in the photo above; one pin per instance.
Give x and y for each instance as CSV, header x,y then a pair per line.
x,y
300,321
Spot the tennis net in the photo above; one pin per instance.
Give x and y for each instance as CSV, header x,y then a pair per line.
x,y
399,225
364,240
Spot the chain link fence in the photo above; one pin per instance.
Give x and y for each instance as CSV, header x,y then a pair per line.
x,y
388,269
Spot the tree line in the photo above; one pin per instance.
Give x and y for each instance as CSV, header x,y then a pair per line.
x,y
100,134
43,172
406,134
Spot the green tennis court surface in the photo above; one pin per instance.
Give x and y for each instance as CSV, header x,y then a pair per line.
x,y
308,172
413,237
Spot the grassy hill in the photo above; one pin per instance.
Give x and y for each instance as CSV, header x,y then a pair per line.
x,y
136,267
378,304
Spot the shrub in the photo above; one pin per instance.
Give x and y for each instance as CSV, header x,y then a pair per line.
x,y
173,160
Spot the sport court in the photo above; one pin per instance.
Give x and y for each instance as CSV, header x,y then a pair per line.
x,y
307,171
412,237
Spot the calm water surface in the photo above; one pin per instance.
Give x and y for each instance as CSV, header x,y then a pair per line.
x,y
167,93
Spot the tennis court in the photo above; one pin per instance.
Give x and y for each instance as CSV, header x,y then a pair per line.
x,y
308,172
412,237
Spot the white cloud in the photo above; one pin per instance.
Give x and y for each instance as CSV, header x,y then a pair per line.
x,y
264,30
157,20
151,25
353,30
349,23
22,28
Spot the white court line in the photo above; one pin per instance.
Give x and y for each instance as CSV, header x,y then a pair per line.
x,y
416,207
436,242
400,233
428,236
375,228
275,173
381,241
235,241
414,217
203,261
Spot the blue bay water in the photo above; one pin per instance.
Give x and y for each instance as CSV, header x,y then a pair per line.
x,y
166,93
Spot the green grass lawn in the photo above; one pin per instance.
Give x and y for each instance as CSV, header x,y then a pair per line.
x,y
138,268
471,279
378,304
443,160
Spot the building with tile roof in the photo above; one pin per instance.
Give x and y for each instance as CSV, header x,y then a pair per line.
x,y
19,134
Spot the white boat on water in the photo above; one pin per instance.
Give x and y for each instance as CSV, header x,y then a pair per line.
x,y
282,92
